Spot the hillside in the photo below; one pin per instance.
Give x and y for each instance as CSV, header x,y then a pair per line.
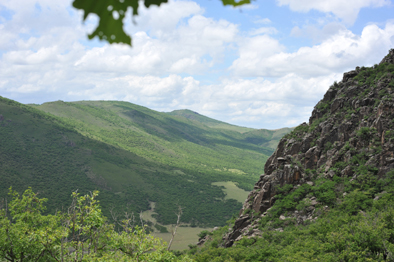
x,y
262,137
327,193
133,155
39,151
200,119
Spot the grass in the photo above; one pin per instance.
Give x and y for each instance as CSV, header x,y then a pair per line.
x,y
185,235
232,191
200,119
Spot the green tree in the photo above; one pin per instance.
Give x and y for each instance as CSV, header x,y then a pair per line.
x,y
25,233
112,12
89,233
80,234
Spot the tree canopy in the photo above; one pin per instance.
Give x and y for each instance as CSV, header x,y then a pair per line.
x,y
80,233
111,14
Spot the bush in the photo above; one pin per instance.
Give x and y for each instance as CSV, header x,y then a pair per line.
x,y
161,228
366,133
325,192
356,201
203,234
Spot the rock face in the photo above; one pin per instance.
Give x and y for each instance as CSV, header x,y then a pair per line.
x,y
355,116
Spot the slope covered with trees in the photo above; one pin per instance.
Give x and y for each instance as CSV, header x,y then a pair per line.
x,y
133,155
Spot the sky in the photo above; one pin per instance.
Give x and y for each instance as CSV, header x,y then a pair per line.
x,y
263,65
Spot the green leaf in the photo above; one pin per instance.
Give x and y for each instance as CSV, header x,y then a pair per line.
x,y
235,3
112,12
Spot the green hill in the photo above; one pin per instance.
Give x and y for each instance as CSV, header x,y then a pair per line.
x,y
261,137
197,118
132,154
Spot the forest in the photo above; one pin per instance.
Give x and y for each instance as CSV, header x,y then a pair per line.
x,y
78,233
133,155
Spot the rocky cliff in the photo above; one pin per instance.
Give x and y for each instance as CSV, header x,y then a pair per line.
x,y
350,133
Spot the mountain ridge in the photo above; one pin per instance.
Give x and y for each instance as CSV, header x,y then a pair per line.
x,y
194,116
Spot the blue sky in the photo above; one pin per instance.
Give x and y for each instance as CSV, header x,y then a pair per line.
x,y
263,65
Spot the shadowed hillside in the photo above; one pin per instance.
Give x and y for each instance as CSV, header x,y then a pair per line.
x,y
132,154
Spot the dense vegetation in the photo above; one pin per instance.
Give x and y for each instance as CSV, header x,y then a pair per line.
x,y
351,227
81,233
132,154
175,139
343,208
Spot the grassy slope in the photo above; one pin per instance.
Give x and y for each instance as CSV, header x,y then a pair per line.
x,y
41,152
130,153
261,137
175,141
197,118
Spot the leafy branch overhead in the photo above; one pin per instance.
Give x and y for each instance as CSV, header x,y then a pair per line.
x,y
112,12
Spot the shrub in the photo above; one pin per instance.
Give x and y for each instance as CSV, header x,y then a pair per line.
x,y
161,228
325,192
356,201
203,234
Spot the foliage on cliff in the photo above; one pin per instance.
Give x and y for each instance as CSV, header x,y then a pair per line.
x,y
327,193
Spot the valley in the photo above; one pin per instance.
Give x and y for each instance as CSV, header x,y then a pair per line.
x,y
133,156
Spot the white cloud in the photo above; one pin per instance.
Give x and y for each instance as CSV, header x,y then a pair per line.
x,y
184,64
181,50
262,103
246,7
28,14
164,18
264,56
26,88
317,34
263,30
183,41
257,102
346,10
160,93
263,21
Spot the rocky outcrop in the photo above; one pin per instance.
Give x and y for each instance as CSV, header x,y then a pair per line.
x,y
355,117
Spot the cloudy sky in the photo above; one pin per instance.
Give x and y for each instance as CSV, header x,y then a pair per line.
x,y
264,65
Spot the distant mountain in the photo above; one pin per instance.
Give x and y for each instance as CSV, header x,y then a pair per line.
x,y
197,118
132,154
261,137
